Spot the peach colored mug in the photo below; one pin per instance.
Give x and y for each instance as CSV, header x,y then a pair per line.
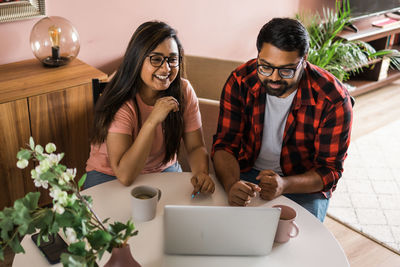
x,y
287,227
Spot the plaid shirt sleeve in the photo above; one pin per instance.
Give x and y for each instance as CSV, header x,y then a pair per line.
x,y
230,121
332,141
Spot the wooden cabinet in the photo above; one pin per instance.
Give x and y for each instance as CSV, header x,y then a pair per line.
x,y
49,104
380,38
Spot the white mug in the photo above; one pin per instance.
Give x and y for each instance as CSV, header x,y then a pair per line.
x,y
144,202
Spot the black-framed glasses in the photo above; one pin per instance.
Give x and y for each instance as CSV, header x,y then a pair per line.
x,y
285,73
158,60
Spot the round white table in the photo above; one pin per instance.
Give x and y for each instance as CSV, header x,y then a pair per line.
x,y
314,246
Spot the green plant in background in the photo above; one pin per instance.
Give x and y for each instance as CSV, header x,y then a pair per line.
x,y
340,57
71,212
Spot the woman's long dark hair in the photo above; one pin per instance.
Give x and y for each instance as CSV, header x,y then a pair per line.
x,y
127,82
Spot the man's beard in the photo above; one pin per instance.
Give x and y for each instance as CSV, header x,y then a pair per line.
x,y
274,91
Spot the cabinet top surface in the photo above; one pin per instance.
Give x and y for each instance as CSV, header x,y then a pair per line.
x,y
29,77
367,32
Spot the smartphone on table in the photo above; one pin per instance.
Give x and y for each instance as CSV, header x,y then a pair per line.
x,y
52,249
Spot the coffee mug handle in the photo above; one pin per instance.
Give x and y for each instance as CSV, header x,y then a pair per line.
x,y
296,230
159,194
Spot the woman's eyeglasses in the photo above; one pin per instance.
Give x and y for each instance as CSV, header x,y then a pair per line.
x,y
285,73
158,60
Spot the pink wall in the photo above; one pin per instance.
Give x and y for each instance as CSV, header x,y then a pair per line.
x,y
225,29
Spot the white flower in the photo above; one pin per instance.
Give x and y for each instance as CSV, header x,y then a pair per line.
x,y
34,174
67,176
43,167
59,196
72,199
71,235
61,181
41,183
39,149
22,163
50,148
54,159
58,208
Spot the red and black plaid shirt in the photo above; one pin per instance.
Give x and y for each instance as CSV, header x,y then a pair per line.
x,y
317,131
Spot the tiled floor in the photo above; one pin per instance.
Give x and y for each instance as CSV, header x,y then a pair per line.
x,y
368,195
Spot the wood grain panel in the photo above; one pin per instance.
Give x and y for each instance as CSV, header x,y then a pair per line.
x,y
14,134
64,118
29,78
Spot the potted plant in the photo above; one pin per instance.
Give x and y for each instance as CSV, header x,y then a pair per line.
x,y
71,212
340,57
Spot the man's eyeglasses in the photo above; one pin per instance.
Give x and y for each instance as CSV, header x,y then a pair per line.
x,y
285,73
158,60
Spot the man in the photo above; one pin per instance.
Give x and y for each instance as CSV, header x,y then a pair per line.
x,y
284,124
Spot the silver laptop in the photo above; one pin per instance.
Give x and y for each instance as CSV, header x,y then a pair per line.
x,y
213,230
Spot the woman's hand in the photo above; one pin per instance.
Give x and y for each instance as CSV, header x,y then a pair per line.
x,y
162,108
202,183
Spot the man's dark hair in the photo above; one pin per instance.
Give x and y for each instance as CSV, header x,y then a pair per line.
x,y
286,34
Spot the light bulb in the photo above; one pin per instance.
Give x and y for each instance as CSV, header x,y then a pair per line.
x,y
54,33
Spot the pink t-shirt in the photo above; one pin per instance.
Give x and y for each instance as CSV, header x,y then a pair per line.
x,y
125,122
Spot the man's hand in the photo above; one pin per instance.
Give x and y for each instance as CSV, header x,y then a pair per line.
x,y
272,185
241,193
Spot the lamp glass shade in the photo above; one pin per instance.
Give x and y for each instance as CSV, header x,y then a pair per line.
x,y
54,41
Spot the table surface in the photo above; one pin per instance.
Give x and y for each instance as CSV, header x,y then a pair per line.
x,y
314,246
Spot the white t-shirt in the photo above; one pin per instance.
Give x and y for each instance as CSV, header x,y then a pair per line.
x,y
276,113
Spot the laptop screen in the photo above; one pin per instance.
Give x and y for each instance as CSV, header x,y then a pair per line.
x,y
219,230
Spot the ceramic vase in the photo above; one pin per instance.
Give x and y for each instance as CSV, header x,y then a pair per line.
x,y
122,257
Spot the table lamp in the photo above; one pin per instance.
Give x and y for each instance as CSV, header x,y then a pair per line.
x,y
54,41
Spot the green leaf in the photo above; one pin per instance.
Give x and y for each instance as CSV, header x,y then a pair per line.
x,y
45,219
60,168
48,176
45,237
82,181
31,200
40,157
99,238
38,239
118,227
72,260
78,248
21,215
6,224
24,154
67,219
100,252
84,228
55,227
16,246
31,143
1,254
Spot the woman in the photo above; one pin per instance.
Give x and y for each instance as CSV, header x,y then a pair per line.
x,y
145,111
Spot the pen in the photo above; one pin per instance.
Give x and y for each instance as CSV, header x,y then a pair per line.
x,y
193,195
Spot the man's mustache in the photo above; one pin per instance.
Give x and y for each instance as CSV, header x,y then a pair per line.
x,y
278,82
